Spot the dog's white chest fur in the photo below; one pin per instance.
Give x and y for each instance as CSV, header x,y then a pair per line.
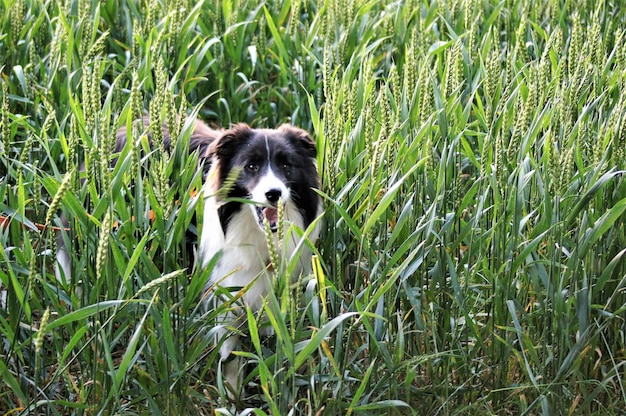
x,y
243,251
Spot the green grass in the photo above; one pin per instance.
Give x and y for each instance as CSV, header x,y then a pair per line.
x,y
472,156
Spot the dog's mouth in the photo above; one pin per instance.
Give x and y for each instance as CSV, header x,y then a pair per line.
x,y
270,214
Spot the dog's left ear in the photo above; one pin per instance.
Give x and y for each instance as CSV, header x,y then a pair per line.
x,y
230,141
299,138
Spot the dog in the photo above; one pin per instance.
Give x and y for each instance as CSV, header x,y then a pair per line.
x,y
271,167
248,176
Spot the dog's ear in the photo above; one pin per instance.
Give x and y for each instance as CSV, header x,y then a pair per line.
x,y
230,141
299,138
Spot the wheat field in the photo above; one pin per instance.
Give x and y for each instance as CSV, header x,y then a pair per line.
x,y
472,156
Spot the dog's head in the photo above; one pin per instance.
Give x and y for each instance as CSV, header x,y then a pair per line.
x,y
268,167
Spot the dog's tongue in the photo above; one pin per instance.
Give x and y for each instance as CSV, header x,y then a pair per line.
x,y
271,214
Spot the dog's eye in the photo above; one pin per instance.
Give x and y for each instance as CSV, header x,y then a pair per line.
x,y
252,167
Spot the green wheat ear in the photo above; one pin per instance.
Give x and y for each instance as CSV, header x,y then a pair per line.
x,y
596,47
90,95
500,154
612,130
575,57
229,183
41,332
58,39
327,78
426,96
468,6
599,145
135,99
274,246
162,185
492,76
58,197
566,164
349,105
156,107
153,6
163,279
5,123
271,245
36,189
136,129
545,71
86,23
32,273
103,244
294,22
522,110
177,11
17,13
72,151
394,85
26,152
93,156
411,68
618,127
485,155
520,42
454,73
533,101
97,48
281,223
95,95
550,158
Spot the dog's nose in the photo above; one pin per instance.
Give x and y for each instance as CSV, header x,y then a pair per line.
x,y
273,195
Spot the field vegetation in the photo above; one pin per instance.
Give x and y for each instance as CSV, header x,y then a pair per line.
x,y
472,156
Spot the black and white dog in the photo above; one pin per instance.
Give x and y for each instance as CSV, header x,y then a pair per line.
x,y
269,167
248,173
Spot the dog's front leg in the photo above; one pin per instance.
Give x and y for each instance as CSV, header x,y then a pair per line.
x,y
231,369
231,364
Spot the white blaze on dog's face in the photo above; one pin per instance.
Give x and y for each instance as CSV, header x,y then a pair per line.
x,y
267,194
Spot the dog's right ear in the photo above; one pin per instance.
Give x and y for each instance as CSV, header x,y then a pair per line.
x,y
226,146
299,138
